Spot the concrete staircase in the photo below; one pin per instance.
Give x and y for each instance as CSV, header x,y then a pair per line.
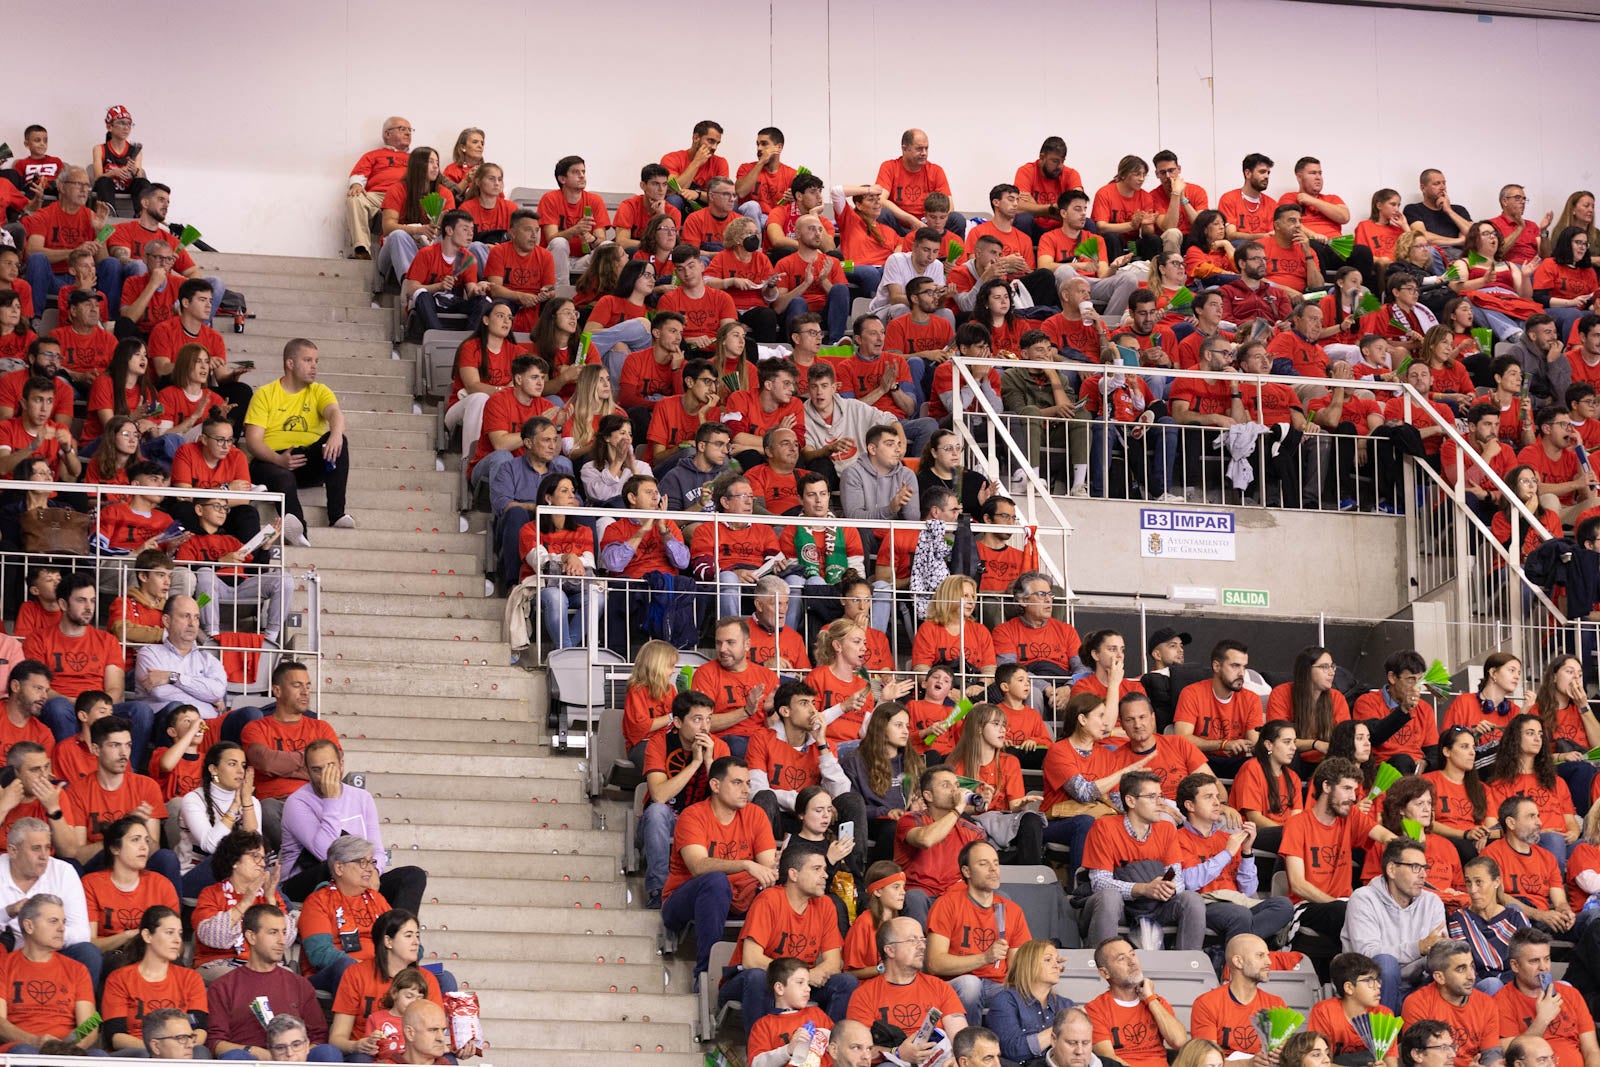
x,y
526,903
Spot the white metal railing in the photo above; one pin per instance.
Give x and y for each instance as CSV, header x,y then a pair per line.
x,y
1428,568
613,623
114,575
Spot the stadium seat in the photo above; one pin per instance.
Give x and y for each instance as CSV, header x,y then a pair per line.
x,y
711,1015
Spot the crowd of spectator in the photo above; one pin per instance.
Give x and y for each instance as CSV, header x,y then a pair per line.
x,y
1231,813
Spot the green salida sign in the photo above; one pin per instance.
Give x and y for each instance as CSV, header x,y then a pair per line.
x,y
1245,598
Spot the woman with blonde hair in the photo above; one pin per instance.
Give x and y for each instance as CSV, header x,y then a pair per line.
x,y
591,402
466,162
844,689
877,769
1006,814
1578,212
728,359
952,635
1021,1013
651,687
1198,1052
491,210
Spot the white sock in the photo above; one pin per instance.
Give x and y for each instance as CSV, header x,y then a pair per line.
x,y
1080,474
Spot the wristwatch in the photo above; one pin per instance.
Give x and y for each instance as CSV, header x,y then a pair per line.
x,y
173,677
55,816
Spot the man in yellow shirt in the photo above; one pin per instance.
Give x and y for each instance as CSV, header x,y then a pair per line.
x,y
294,434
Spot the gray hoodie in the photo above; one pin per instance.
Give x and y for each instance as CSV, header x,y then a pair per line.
x,y
1376,925
867,491
1546,378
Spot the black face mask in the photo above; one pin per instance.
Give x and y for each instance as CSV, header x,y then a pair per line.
x,y
751,243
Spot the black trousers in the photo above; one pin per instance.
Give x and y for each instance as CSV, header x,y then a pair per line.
x,y
316,471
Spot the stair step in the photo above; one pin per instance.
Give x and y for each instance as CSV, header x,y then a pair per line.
x,y
314,316
505,839
410,519
332,278
436,585
216,262
373,421
377,403
372,490
271,330
546,948
511,921
466,709
455,728
527,893
421,558
526,816
407,540
508,790
537,769
589,1008
639,1036
428,607
441,653
387,742
387,455
630,979
466,631
545,867
395,440
362,676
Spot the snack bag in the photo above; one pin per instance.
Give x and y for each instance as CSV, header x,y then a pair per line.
x,y
466,1022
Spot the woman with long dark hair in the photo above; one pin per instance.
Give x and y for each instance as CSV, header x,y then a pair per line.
x,y
1524,765
1413,799
1566,282
1265,790
1562,704
1461,805
396,945
156,978
562,551
483,368
994,308
407,226
1352,740
1310,701
1207,252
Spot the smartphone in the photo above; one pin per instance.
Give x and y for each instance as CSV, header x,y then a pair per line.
x,y
847,829
1546,980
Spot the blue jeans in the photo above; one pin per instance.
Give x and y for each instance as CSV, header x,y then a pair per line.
x,y
704,900
1395,988
1263,920
655,838
835,313
917,432
976,993
867,276
485,467
512,520
1072,831
565,617
1557,845
1502,326
58,715
328,978
233,726
86,954
1565,317
47,283
1158,448
426,308
749,987
730,594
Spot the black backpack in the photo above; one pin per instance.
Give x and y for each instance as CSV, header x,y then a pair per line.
x,y
233,307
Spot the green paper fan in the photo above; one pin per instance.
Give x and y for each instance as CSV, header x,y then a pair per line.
x,y
1368,304
1276,1025
104,233
1438,679
1388,774
84,1029
188,237
1412,828
1475,260
952,256
848,265
1343,246
837,352
585,344
588,211
432,206
1182,297
957,713
1593,755
1385,1028
672,183
685,678
1484,337
1452,274
801,170
1088,248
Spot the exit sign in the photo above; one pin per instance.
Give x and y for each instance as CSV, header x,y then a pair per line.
x,y
1245,598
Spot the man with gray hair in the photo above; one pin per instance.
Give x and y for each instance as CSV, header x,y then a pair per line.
x,y
1039,641
56,232
374,174
287,1039
168,1035
60,993
28,870
773,643
1450,997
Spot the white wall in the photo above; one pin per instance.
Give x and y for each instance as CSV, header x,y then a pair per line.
x,y
254,113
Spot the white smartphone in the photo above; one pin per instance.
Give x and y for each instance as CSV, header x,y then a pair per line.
x,y
847,829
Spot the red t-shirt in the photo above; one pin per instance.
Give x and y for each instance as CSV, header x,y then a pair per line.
x,y
903,1006
504,412
115,910
60,230
1474,1026
80,662
328,911
909,189
932,869
1326,849
1030,179
793,269
743,837
1054,642
1563,1033
1111,205
1528,878
165,340
189,468
1421,732
1218,720
909,338
778,931
162,306
702,227
1216,1016
935,643
770,184
279,736
44,997
726,264
1328,1019
971,929
1245,216
99,807
1130,1028
85,353
11,393
129,996
1249,793
633,215
645,381
731,691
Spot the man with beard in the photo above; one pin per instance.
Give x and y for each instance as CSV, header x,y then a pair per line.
x,y
1133,1024
1219,715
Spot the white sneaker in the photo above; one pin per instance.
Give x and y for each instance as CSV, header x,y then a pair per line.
x,y
1081,490
344,522
294,532
1170,498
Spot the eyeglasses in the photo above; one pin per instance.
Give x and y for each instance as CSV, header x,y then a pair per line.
x,y
1324,666
286,1047
910,941
1039,594
1370,979
367,864
182,1039
1450,1048
401,129
1414,868
218,439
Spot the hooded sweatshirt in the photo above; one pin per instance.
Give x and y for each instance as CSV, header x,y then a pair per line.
x,y
1376,925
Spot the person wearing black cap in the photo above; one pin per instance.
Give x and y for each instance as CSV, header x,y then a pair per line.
x,y
1164,648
